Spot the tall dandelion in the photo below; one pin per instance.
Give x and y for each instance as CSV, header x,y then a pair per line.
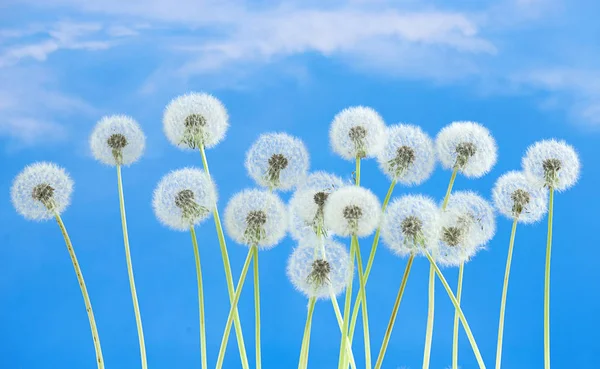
x,y
519,199
118,141
42,191
555,165
197,121
182,200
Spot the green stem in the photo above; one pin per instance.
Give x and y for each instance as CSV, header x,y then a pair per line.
x,y
136,306
449,190
257,309
228,275
365,315
457,307
233,309
461,271
200,299
504,293
390,327
357,173
303,363
430,317
345,341
84,292
547,283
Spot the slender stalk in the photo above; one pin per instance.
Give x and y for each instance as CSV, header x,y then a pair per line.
x,y
200,299
449,190
345,341
461,271
457,307
136,306
547,283
233,309
357,173
257,309
390,327
84,292
430,318
228,276
365,315
303,363
504,292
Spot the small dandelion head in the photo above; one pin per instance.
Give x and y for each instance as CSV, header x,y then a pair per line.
x,y
517,195
256,218
352,210
277,161
194,120
117,140
468,147
41,191
552,164
408,155
184,198
357,132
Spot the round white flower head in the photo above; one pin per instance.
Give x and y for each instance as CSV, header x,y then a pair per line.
x,y
408,156
322,180
256,217
516,195
410,223
194,120
357,132
117,140
41,190
277,161
352,210
184,198
317,267
478,211
467,146
553,164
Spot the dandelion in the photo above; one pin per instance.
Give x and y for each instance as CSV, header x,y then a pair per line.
x,y
352,210
555,165
357,132
117,140
43,191
277,161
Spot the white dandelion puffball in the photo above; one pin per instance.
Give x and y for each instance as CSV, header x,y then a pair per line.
x,y
316,273
322,180
352,210
184,198
194,120
357,132
480,212
468,146
277,161
117,140
408,155
256,217
410,223
553,164
41,190
517,195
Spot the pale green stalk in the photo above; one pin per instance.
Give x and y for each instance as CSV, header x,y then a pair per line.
x,y
257,310
461,271
228,276
303,363
504,293
547,283
84,292
345,341
365,315
200,299
390,327
136,306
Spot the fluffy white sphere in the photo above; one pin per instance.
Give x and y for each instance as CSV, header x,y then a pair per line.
x,y
518,195
184,198
357,132
195,119
408,155
322,180
352,210
552,163
410,223
41,190
479,210
117,140
277,161
318,266
468,146
256,217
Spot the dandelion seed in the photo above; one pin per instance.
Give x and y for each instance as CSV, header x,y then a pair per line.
x,y
552,163
357,132
117,140
352,210
516,195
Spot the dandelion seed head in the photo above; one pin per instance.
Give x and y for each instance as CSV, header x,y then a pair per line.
x,y
357,132
41,190
468,146
552,163
517,194
352,210
117,140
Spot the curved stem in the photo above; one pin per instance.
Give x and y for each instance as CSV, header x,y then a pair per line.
x,y
84,292
390,327
257,309
136,306
233,309
345,341
200,299
303,363
547,283
449,190
430,317
228,276
504,293
461,271
365,315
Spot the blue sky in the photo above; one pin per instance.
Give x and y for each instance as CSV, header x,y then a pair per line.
x,y
527,69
